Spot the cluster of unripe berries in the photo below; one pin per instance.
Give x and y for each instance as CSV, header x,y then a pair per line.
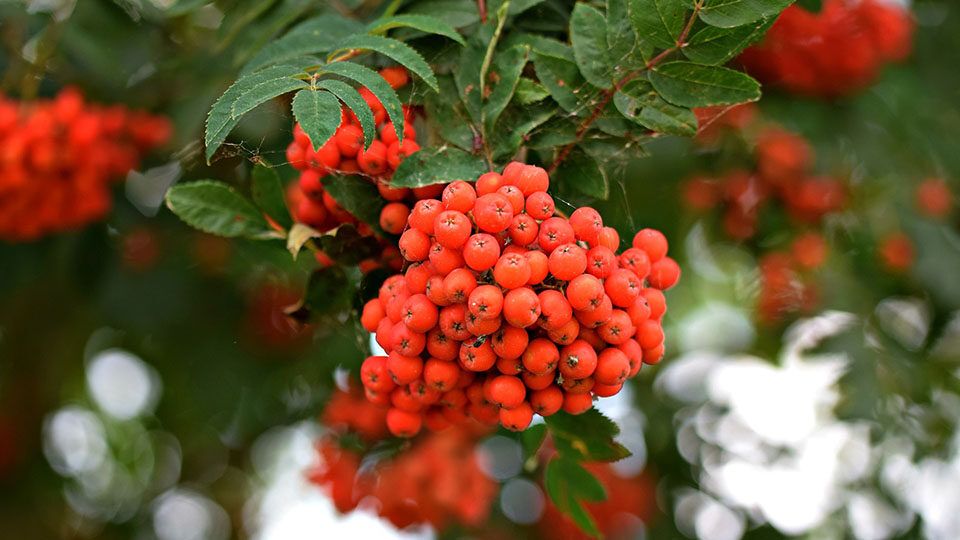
x,y
507,309
835,52
59,157
437,481
781,175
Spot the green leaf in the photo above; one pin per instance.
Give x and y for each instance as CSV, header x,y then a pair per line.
x,y
328,292
663,117
268,194
318,113
691,85
588,35
568,484
502,82
423,23
215,207
456,13
626,51
713,45
530,91
317,35
299,235
532,439
245,94
588,436
658,22
516,124
562,79
377,85
429,166
582,172
355,102
396,50
467,77
347,246
357,196
813,6
446,104
637,101
731,13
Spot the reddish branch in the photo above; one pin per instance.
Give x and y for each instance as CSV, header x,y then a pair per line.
x,y
482,8
608,94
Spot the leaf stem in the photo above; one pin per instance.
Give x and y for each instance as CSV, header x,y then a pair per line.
x,y
608,94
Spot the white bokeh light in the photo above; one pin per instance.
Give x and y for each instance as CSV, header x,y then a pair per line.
x,y
183,514
74,441
121,384
522,501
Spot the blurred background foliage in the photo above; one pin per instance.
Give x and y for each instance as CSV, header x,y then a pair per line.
x,y
204,318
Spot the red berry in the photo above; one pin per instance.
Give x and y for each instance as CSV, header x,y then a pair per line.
x,y
481,252
521,307
653,242
518,418
506,391
393,217
403,423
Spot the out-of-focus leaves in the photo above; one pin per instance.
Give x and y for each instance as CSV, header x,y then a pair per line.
x,y
267,192
316,35
568,485
532,439
430,166
423,23
215,207
328,291
347,246
692,85
588,436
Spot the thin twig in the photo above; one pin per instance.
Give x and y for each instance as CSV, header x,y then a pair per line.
x,y
482,9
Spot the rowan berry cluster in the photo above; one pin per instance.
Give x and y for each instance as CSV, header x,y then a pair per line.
x,y
507,310
786,284
934,198
59,157
344,154
835,52
781,175
437,481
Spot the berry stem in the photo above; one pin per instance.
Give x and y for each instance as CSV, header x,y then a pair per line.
x,y
608,94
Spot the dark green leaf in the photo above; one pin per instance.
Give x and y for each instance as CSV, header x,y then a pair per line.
x,y
394,49
357,196
554,133
563,80
245,94
731,13
626,51
588,35
632,96
530,91
502,82
328,291
467,77
658,22
582,172
318,113
317,35
516,6
456,13
355,102
347,246
516,124
377,85
268,194
692,85
662,117
430,166
568,483
588,436
423,23
215,207
813,6
713,45
446,104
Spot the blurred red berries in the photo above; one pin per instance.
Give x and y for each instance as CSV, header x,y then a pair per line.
x,y
58,158
835,52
